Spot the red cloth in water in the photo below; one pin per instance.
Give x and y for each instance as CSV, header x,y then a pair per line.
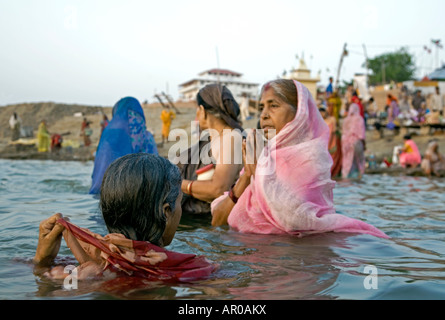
x,y
134,258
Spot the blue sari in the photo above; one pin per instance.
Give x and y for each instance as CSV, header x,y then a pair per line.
x,y
126,133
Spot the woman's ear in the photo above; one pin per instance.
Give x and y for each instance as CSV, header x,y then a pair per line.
x,y
201,109
167,210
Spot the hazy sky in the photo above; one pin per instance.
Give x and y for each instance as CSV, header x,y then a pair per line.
x,y
96,52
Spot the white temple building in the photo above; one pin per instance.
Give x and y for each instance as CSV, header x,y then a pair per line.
x,y
232,80
303,75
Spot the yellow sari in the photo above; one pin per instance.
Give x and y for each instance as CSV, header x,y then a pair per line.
x,y
166,118
336,106
43,138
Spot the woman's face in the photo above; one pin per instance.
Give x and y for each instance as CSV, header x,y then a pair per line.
x,y
173,219
275,113
324,114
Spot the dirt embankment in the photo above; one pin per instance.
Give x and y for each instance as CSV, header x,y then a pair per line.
x,y
66,120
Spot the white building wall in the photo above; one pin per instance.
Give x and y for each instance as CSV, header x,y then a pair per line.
x,y
235,84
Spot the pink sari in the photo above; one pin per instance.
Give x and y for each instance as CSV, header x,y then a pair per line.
x,y
141,259
353,131
297,197
413,158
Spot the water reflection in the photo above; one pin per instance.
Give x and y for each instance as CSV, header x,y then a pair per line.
x,y
284,267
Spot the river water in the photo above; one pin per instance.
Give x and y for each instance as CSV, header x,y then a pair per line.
x,y
409,265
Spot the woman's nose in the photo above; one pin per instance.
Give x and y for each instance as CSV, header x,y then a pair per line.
x,y
264,114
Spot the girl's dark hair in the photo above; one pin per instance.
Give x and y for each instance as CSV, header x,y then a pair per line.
x,y
134,189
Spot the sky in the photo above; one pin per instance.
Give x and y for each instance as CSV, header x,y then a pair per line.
x,y
96,52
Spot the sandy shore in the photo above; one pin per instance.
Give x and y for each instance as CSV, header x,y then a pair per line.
x,y
69,126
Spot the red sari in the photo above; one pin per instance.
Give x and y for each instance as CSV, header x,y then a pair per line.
x,y
128,257
334,146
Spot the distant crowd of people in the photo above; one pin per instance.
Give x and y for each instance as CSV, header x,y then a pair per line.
x,y
52,142
347,142
410,108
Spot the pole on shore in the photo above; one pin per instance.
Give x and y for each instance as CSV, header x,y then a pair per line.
x,y
343,55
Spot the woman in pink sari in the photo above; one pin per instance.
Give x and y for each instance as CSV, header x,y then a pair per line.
x,y
409,155
140,202
353,144
289,189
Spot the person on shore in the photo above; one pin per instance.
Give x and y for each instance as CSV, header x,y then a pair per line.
x,y
393,108
335,102
409,155
393,112
433,162
83,125
126,133
87,133
418,102
15,124
56,142
437,101
334,144
217,114
390,98
435,108
244,108
353,144
103,123
43,138
371,108
330,88
288,190
141,206
405,108
358,101
167,116
350,91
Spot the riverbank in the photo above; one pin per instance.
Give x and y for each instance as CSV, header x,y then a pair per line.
x,y
67,119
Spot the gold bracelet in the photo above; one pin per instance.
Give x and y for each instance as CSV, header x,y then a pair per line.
x,y
188,187
191,193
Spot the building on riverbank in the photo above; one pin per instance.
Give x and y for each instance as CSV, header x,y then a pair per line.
x,y
234,81
303,75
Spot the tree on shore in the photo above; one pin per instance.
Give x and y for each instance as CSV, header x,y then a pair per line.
x,y
395,66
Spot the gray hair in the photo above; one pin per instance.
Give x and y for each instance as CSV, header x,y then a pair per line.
x,y
284,89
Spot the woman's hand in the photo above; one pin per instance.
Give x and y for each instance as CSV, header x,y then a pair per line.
x,y
221,211
50,237
249,154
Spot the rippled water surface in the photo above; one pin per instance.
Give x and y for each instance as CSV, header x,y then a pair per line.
x,y
410,265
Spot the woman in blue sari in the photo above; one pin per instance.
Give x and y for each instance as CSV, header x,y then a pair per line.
x,y
126,133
